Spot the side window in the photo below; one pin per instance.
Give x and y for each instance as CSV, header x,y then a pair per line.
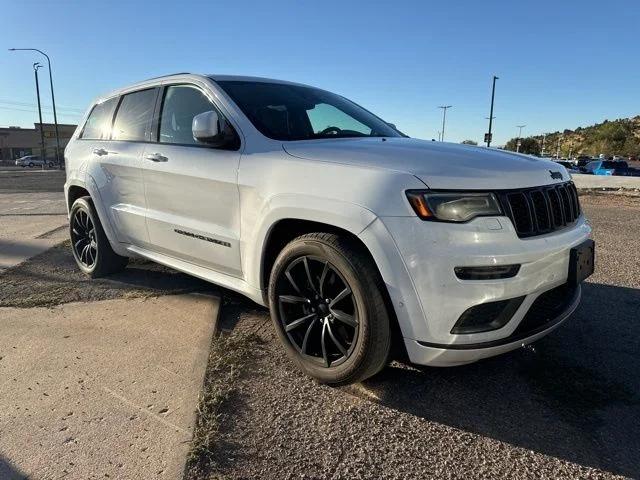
x,y
98,126
133,118
324,116
181,103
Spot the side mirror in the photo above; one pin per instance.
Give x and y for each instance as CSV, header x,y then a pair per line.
x,y
392,125
205,127
209,128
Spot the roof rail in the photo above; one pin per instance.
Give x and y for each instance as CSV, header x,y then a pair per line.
x,y
167,75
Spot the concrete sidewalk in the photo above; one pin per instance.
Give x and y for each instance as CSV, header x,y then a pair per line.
x,y
30,223
102,389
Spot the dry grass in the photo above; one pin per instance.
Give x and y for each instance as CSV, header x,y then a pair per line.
x,y
230,358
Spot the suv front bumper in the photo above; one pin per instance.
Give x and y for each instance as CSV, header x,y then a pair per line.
x,y
429,252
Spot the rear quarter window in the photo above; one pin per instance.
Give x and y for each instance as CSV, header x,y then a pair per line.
x,y
98,124
133,118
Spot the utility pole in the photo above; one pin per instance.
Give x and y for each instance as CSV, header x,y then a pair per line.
x,y
544,135
519,136
43,151
493,95
558,149
53,99
444,117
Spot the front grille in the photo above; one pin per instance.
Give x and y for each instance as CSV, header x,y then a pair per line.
x,y
540,210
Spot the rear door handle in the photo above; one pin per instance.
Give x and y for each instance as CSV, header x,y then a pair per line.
x,y
100,152
156,157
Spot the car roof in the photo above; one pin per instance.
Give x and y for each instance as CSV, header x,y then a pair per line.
x,y
150,82
245,78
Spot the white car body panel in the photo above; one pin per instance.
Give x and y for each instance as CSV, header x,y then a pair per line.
x,y
235,198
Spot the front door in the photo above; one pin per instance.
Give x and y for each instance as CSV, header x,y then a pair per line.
x,y
191,188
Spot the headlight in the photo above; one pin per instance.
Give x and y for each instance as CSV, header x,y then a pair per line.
x,y
453,207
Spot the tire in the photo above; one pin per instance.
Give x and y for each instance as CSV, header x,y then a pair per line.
x,y
355,326
90,246
31,165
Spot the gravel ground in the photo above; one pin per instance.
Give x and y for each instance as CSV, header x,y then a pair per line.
x,y
566,407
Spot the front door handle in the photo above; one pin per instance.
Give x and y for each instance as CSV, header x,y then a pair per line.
x,y
100,152
156,157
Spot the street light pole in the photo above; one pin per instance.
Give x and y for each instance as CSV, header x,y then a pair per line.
x,y
444,117
558,149
493,94
43,152
519,136
53,99
544,135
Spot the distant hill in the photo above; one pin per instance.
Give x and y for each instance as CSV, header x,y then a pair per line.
x,y
617,137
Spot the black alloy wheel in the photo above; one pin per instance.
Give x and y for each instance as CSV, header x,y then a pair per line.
x,y
83,238
317,310
90,246
327,303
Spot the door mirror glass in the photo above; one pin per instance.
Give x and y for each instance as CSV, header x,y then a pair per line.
x,y
206,128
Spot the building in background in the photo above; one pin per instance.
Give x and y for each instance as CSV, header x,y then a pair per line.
x,y
16,142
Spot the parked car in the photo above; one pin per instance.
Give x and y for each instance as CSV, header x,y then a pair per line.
x,y
570,166
582,160
33,161
610,167
356,237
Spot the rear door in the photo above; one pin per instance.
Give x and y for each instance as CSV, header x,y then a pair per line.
x,y
191,188
120,181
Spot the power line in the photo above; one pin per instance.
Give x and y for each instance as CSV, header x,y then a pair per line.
x,y
25,104
75,115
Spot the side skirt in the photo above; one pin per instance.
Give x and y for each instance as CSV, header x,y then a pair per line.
x,y
212,276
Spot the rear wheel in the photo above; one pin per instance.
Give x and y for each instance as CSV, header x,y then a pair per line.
x,y
31,165
327,303
91,248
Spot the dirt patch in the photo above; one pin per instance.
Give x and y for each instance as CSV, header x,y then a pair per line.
x,y
52,278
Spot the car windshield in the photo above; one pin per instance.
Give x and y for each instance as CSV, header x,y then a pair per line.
x,y
293,112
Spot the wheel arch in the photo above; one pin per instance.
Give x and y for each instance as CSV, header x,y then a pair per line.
x,y
286,229
76,189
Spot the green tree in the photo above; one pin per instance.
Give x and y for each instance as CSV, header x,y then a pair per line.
x,y
528,145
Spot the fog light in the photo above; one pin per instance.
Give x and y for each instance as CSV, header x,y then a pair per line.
x,y
486,273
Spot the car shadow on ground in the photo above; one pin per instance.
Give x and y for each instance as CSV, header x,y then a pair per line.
x,y
52,278
9,471
574,395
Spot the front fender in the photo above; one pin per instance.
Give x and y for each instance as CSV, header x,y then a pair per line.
x,y
347,216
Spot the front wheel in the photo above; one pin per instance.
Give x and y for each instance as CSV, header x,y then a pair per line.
x,y
327,303
90,245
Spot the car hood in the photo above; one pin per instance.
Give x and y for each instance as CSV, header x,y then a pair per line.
x,y
437,164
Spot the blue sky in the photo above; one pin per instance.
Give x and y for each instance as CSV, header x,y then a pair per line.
x,y
561,64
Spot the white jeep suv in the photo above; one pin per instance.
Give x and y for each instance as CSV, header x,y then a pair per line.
x,y
354,235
